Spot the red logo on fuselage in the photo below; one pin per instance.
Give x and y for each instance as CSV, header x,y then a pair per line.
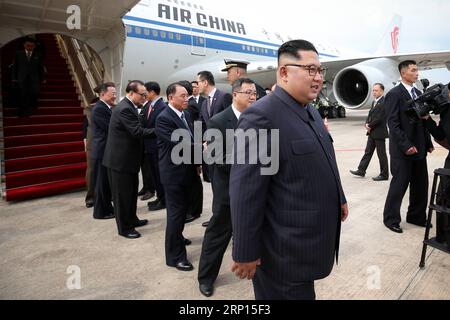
x,y
394,39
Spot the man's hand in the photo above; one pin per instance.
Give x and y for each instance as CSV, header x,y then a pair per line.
x,y
199,170
411,151
205,146
369,129
426,117
344,212
245,270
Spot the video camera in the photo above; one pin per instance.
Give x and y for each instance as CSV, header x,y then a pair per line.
x,y
433,100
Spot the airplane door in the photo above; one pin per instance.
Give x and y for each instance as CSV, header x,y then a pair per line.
x,y
198,43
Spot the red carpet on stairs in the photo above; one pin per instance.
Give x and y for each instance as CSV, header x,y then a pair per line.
x,y
44,154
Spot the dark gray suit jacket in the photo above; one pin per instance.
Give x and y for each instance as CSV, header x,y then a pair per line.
x,y
377,121
220,102
290,220
123,152
402,133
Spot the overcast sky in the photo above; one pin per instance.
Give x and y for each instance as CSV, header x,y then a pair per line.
x,y
356,25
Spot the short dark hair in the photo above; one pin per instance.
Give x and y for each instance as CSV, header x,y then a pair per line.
x,y
196,82
208,76
172,88
239,82
380,85
153,86
133,85
405,64
103,87
291,48
187,85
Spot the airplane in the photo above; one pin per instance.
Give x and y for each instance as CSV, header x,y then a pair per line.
x,y
171,40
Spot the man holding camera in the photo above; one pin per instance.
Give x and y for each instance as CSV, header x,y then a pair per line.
x,y
408,147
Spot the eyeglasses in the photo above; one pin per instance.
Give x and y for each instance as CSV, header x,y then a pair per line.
x,y
250,93
312,69
143,95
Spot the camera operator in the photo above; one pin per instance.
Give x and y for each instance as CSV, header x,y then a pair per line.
x,y
408,146
441,133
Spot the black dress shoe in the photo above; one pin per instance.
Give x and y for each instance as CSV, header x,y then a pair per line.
x,y
420,224
206,290
184,266
190,218
89,204
140,223
380,178
133,234
395,228
142,192
187,242
205,224
358,173
156,205
109,216
147,196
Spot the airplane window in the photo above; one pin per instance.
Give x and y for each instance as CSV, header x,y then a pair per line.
x,y
195,6
201,40
129,29
138,30
253,49
182,3
201,7
178,36
170,35
243,47
175,1
248,48
189,4
146,32
163,34
155,33
266,51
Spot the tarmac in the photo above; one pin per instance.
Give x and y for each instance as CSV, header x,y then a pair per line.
x,y
52,248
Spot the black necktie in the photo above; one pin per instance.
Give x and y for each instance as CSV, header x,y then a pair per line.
x,y
208,105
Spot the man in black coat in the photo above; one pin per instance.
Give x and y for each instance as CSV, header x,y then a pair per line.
x,y
123,155
286,218
218,233
195,102
28,74
215,102
176,177
149,114
101,115
377,133
409,144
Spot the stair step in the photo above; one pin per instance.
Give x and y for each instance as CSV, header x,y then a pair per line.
x,y
58,103
44,189
37,176
37,139
58,95
43,150
35,129
42,111
14,121
44,161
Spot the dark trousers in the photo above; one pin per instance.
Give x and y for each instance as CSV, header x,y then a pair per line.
x,y
90,179
380,146
205,172
147,179
267,287
177,203
153,163
124,189
103,198
415,174
196,197
215,243
28,96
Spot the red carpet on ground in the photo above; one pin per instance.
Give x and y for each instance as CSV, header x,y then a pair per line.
x,y
44,154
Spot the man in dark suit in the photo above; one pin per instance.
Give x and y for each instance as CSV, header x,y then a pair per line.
x,y
123,155
176,178
101,115
28,74
409,144
218,233
377,133
215,102
150,112
286,224
195,102
237,69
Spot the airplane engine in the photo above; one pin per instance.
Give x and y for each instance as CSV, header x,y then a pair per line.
x,y
352,86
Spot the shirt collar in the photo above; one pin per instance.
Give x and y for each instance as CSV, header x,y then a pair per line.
x,y
212,93
408,88
155,101
237,113
107,104
179,113
131,102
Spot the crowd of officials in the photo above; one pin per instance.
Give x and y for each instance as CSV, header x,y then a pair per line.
x,y
285,227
